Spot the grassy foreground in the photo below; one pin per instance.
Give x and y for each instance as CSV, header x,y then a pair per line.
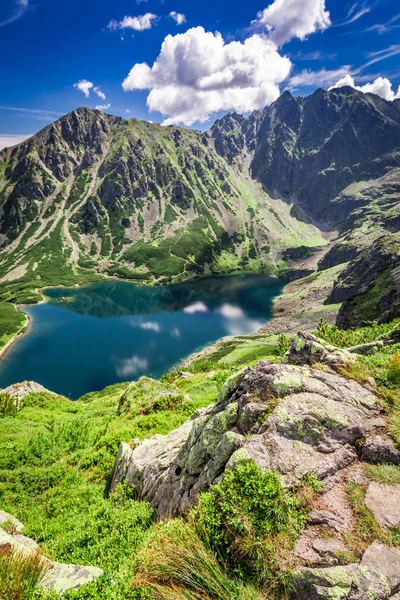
x,y
56,457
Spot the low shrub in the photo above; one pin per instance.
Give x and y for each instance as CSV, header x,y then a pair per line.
x,y
8,406
393,371
250,522
283,344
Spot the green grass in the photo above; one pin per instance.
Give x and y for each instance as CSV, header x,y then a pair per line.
x,y
389,474
56,457
11,321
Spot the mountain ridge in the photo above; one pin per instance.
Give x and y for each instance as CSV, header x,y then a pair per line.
x,y
95,195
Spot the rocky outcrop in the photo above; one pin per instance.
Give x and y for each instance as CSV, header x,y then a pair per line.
x,y
377,577
58,577
20,390
307,349
289,418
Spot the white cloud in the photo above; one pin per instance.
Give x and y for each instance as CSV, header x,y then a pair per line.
x,y
195,308
179,18
380,86
8,140
321,78
197,74
131,366
230,311
103,106
84,86
21,6
128,112
175,332
34,111
139,23
287,19
355,12
98,91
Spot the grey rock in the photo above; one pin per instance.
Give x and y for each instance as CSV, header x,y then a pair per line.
x,y
328,546
376,578
6,518
313,429
323,583
392,337
62,577
384,502
366,349
327,518
57,577
308,349
380,450
17,542
20,390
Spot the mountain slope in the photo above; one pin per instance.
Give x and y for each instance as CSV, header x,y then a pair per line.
x,y
95,195
133,199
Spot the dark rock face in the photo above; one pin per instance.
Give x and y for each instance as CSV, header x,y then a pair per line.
x,y
380,450
309,150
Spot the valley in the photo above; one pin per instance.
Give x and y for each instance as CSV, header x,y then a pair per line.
x,y
264,465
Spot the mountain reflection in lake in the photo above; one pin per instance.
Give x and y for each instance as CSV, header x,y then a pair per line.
x,y
86,338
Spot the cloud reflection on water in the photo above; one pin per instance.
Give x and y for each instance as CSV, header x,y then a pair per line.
x,y
131,366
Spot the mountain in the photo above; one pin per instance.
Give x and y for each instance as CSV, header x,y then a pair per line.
x,y
94,195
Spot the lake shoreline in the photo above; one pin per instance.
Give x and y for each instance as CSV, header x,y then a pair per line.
x,y
24,329
27,324
185,320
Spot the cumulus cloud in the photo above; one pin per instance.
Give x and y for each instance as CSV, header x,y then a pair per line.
x,y
380,86
140,23
131,366
179,18
288,19
8,140
197,74
103,106
98,91
84,86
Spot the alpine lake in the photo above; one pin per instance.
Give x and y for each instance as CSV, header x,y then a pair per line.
x,y
83,339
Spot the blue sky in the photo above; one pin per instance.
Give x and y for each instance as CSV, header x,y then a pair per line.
x,y
209,57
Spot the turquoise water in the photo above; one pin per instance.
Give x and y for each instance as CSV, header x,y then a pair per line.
x,y
115,331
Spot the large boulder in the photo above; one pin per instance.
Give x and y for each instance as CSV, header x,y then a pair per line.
x,y
61,577
380,450
377,577
384,502
291,419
